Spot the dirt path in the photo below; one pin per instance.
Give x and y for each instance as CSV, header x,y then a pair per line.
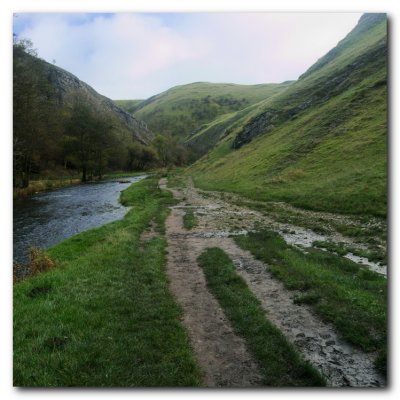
x,y
222,354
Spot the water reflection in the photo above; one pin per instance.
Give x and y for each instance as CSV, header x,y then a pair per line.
x,y
50,217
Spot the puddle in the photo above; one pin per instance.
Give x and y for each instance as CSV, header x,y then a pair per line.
x,y
380,269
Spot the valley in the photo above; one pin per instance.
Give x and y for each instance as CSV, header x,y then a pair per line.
x,y
253,254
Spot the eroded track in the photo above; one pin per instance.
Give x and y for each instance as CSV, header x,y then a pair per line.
x,y
221,353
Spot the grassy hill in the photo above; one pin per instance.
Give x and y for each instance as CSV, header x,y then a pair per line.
x,y
321,142
128,105
181,109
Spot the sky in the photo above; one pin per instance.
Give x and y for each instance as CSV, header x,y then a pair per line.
x,y
137,55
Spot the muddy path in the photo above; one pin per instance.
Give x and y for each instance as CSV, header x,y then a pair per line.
x,y
298,227
221,354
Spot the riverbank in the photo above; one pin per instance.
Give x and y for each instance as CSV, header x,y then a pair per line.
x,y
43,185
103,316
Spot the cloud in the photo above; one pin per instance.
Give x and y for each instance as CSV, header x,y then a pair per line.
x,y
138,55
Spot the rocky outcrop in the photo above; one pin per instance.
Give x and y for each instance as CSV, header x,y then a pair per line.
x,y
258,125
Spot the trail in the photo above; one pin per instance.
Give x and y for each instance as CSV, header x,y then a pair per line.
x,y
222,354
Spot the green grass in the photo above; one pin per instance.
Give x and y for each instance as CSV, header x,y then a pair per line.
x,y
104,317
128,105
327,147
341,292
376,255
182,109
189,219
279,362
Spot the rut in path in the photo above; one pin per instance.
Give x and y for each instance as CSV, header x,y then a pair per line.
x,y
222,354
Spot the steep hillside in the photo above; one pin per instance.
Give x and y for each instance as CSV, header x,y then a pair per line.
x,y
61,124
180,110
68,87
321,142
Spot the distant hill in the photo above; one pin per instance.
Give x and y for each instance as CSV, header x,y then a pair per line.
x,y
319,142
128,105
181,109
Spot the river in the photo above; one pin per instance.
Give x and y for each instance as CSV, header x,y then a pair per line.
x,y
47,218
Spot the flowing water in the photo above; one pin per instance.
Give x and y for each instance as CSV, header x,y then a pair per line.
x,y
47,218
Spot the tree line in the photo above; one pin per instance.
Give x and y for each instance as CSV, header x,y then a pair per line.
x,y
52,137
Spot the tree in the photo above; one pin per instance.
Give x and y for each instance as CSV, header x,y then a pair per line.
x,y
169,150
88,139
34,116
140,157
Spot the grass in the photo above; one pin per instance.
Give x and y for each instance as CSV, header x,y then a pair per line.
x,y
182,109
341,292
104,317
128,105
189,219
279,362
377,255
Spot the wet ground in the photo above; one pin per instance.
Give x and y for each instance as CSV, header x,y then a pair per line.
x,y
221,354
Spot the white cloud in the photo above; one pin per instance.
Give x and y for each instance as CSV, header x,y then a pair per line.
x,y
138,55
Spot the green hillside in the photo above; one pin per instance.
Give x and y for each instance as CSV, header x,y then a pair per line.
x,y
182,109
321,142
128,105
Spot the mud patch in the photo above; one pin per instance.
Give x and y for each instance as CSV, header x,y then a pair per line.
x,y
221,354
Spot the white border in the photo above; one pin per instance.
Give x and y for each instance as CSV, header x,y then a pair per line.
x,y
7,7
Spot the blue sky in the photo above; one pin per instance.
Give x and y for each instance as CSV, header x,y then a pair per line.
x,y
136,55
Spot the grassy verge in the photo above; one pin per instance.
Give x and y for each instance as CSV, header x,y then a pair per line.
x,y
354,299
105,316
189,219
280,363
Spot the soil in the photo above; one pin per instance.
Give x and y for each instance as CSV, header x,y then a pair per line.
x,y
221,353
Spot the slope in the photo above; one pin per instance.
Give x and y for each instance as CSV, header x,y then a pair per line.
x,y
45,98
321,142
181,109
128,105
68,87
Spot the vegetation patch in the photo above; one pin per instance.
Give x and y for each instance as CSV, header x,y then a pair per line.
x,y
377,255
43,185
341,292
109,319
280,364
189,219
